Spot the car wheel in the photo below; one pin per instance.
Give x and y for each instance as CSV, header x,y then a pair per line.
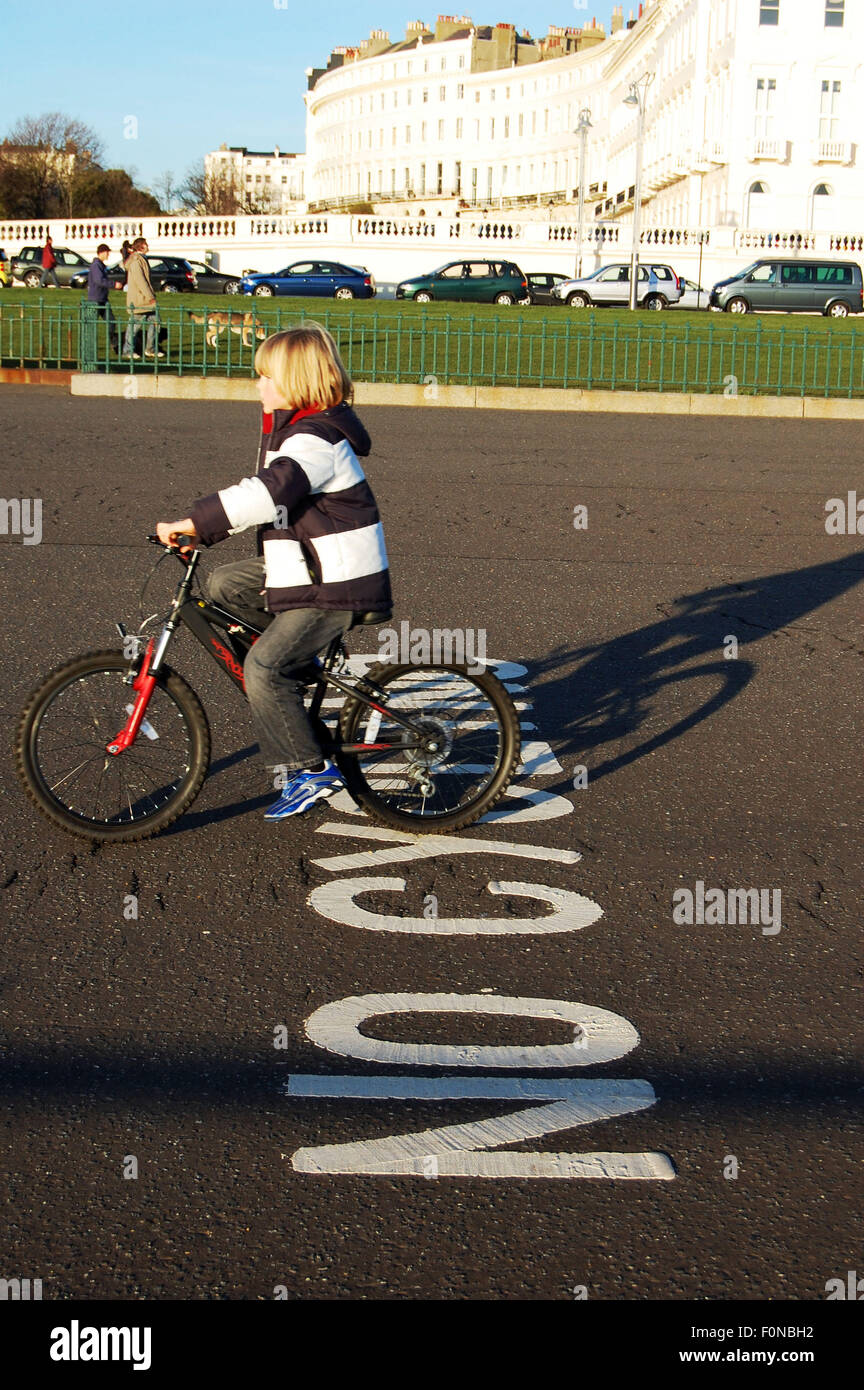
x,y
32,279
344,292
578,300
423,297
838,310
737,306
655,302
264,291
232,287
526,301
505,298
170,289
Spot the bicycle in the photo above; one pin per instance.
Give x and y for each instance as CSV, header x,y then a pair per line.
x,y
424,748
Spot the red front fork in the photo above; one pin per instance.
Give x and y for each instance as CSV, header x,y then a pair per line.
x,y
144,684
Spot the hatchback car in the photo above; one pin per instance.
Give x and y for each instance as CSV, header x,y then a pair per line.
x,y
479,282
168,275
5,274
658,287
211,281
324,279
27,265
828,287
541,285
693,297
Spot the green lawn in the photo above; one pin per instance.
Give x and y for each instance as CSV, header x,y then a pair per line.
x,y
384,340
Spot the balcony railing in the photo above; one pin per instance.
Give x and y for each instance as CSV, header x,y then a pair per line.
x,y
761,147
833,152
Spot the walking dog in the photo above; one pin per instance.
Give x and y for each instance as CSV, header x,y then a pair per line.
x,y
217,320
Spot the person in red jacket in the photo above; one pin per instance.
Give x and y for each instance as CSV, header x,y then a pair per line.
x,y
49,260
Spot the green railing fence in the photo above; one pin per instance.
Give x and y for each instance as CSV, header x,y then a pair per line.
x,y
523,348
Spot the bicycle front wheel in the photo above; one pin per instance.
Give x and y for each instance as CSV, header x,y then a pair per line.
x,y
477,737
62,759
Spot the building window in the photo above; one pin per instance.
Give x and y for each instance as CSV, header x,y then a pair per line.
x,y
462,60
442,93
423,130
769,11
492,128
439,179
829,110
392,181
834,13
457,176
458,127
440,130
521,123
425,94
284,179
766,91
506,127
407,135
460,90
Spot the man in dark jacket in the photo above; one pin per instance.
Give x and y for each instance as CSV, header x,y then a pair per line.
x,y
97,289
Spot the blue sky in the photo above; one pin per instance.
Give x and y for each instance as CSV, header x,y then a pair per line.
x,y
195,74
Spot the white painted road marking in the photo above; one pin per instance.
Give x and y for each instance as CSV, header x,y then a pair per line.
x,y
336,900
599,1036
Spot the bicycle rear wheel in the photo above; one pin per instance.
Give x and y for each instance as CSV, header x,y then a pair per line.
x,y
475,725
62,760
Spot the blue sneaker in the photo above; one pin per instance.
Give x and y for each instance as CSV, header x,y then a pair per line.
x,y
303,789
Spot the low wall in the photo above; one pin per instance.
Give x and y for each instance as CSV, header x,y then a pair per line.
x,y
394,248
164,387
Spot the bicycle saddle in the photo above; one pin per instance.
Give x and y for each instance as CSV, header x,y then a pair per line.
x,y
370,619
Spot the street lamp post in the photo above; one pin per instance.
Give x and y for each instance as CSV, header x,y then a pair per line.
x,y
638,97
582,130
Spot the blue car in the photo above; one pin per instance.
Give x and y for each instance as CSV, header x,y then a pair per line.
x,y
325,279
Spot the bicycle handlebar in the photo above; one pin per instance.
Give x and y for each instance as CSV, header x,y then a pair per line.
x,y
182,547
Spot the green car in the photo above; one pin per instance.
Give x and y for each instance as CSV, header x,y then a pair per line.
x,y
477,282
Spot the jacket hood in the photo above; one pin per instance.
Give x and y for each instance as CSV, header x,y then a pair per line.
x,y
340,417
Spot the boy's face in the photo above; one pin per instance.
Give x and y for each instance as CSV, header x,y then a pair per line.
x,y
269,396
103,256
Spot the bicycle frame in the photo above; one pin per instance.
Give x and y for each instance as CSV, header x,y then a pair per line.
x,y
206,621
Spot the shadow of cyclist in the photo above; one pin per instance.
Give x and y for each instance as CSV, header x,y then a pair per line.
x,y
603,693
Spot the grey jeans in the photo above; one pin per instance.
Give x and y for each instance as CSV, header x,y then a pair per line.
x,y
291,639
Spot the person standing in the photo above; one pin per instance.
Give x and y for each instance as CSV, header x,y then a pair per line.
x,y
140,302
49,260
97,289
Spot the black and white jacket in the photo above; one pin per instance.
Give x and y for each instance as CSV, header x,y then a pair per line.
x,y
318,524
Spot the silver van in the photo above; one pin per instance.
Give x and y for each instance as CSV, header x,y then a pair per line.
x,y
799,286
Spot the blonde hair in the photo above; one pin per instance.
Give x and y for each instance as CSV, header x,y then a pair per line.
x,y
305,366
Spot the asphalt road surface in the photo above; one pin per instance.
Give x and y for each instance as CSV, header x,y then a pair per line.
x,y
726,1113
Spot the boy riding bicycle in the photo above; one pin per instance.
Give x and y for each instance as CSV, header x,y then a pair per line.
x,y
321,553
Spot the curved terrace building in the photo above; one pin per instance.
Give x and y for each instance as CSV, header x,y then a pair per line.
x,y
752,116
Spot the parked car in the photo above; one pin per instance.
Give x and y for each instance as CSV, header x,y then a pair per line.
x,y
325,279
5,272
693,297
541,284
27,265
211,281
168,274
658,287
480,282
800,286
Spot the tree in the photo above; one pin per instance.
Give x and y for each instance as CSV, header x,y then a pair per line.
x,y
166,190
217,193
44,164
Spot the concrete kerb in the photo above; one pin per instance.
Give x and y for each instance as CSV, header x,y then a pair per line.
x,y
144,386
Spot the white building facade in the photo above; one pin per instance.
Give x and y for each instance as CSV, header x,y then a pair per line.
x,y
754,117
268,180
